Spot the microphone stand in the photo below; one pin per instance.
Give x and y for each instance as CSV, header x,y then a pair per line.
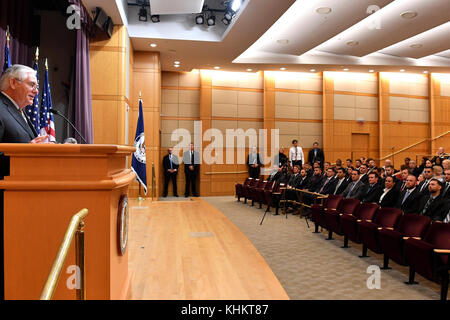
x,y
68,121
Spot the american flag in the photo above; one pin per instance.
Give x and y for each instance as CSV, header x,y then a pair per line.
x,y
7,61
47,125
33,110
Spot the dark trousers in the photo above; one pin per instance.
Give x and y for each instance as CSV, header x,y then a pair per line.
x,y
191,177
254,172
167,177
296,163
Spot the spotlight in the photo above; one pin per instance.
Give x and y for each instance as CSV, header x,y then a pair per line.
x,y
236,5
155,18
143,14
225,21
200,19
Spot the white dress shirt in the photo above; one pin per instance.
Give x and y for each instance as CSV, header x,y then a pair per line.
x,y
296,154
386,190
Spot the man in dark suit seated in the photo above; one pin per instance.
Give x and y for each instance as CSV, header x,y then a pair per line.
x,y
293,183
409,199
446,189
18,86
304,182
170,166
374,190
316,180
423,186
329,183
434,205
401,184
363,173
390,193
355,189
341,182
316,154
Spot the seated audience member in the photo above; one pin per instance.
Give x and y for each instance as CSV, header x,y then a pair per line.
x,y
329,183
363,173
422,165
275,174
446,189
338,164
349,163
372,165
355,189
437,172
438,162
446,164
387,162
374,190
381,174
309,169
284,177
427,175
316,180
348,174
434,205
409,199
390,171
304,182
357,164
412,167
293,183
420,178
401,185
341,182
390,194
440,154
326,165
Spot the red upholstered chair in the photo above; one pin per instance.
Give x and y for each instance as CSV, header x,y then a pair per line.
x,y
430,257
368,231
240,188
392,242
254,191
332,217
349,222
246,190
273,197
317,214
260,193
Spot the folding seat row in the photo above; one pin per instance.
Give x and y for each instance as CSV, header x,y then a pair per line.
x,y
259,191
408,239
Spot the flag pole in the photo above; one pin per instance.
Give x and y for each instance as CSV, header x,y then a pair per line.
x,y
140,198
7,36
37,54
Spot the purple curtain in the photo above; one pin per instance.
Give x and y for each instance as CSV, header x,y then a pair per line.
x,y
18,15
81,106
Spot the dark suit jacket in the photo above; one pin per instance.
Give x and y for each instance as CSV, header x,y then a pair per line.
x,y
304,183
166,163
412,203
446,193
13,127
187,161
373,194
357,192
280,159
365,178
438,209
342,186
319,157
258,160
314,183
294,180
329,187
390,199
425,191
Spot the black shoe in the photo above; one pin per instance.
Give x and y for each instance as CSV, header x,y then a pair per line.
x,y
196,195
165,196
186,196
175,195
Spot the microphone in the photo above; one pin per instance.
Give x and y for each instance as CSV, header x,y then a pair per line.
x,y
68,121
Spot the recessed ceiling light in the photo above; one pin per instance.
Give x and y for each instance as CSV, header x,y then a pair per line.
x,y
345,69
217,68
282,69
313,70
249,69
371,70
153,45
409,15
352,43
323,10
283,41
176,65
402,70
177,62
425,71
416,45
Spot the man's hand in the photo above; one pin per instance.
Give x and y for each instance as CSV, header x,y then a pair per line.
x,y
40,139
191,168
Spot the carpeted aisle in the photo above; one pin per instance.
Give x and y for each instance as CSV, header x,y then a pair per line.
x,y
310,267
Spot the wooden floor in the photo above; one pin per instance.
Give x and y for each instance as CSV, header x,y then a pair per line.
x,y
190,250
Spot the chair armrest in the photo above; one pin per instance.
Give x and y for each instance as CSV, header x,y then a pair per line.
x,y
442,251
388,228
417,238
276,192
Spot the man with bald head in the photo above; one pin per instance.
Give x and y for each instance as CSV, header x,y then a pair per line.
x,y
409,199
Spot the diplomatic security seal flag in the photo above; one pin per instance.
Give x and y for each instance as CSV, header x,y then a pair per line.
x,y
138,163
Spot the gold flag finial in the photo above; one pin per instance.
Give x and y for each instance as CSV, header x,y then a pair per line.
x,y
140,94
7,35
46,64
37,53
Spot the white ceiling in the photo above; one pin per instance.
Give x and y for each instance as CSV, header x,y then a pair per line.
x,y
270,34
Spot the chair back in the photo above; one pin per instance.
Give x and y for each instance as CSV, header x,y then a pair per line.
x,y
348,206
366,211
333,201
387,217
439,235
247,181
413,225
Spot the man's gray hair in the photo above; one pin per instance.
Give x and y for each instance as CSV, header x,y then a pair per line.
x,y
17,71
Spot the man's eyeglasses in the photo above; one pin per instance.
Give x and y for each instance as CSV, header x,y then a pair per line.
x,y
32,85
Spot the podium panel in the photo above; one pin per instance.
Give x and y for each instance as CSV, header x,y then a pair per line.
x,y
47,185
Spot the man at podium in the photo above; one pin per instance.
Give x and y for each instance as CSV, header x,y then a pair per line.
x,y
18,86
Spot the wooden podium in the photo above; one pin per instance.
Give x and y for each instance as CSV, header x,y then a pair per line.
x,y
47,185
